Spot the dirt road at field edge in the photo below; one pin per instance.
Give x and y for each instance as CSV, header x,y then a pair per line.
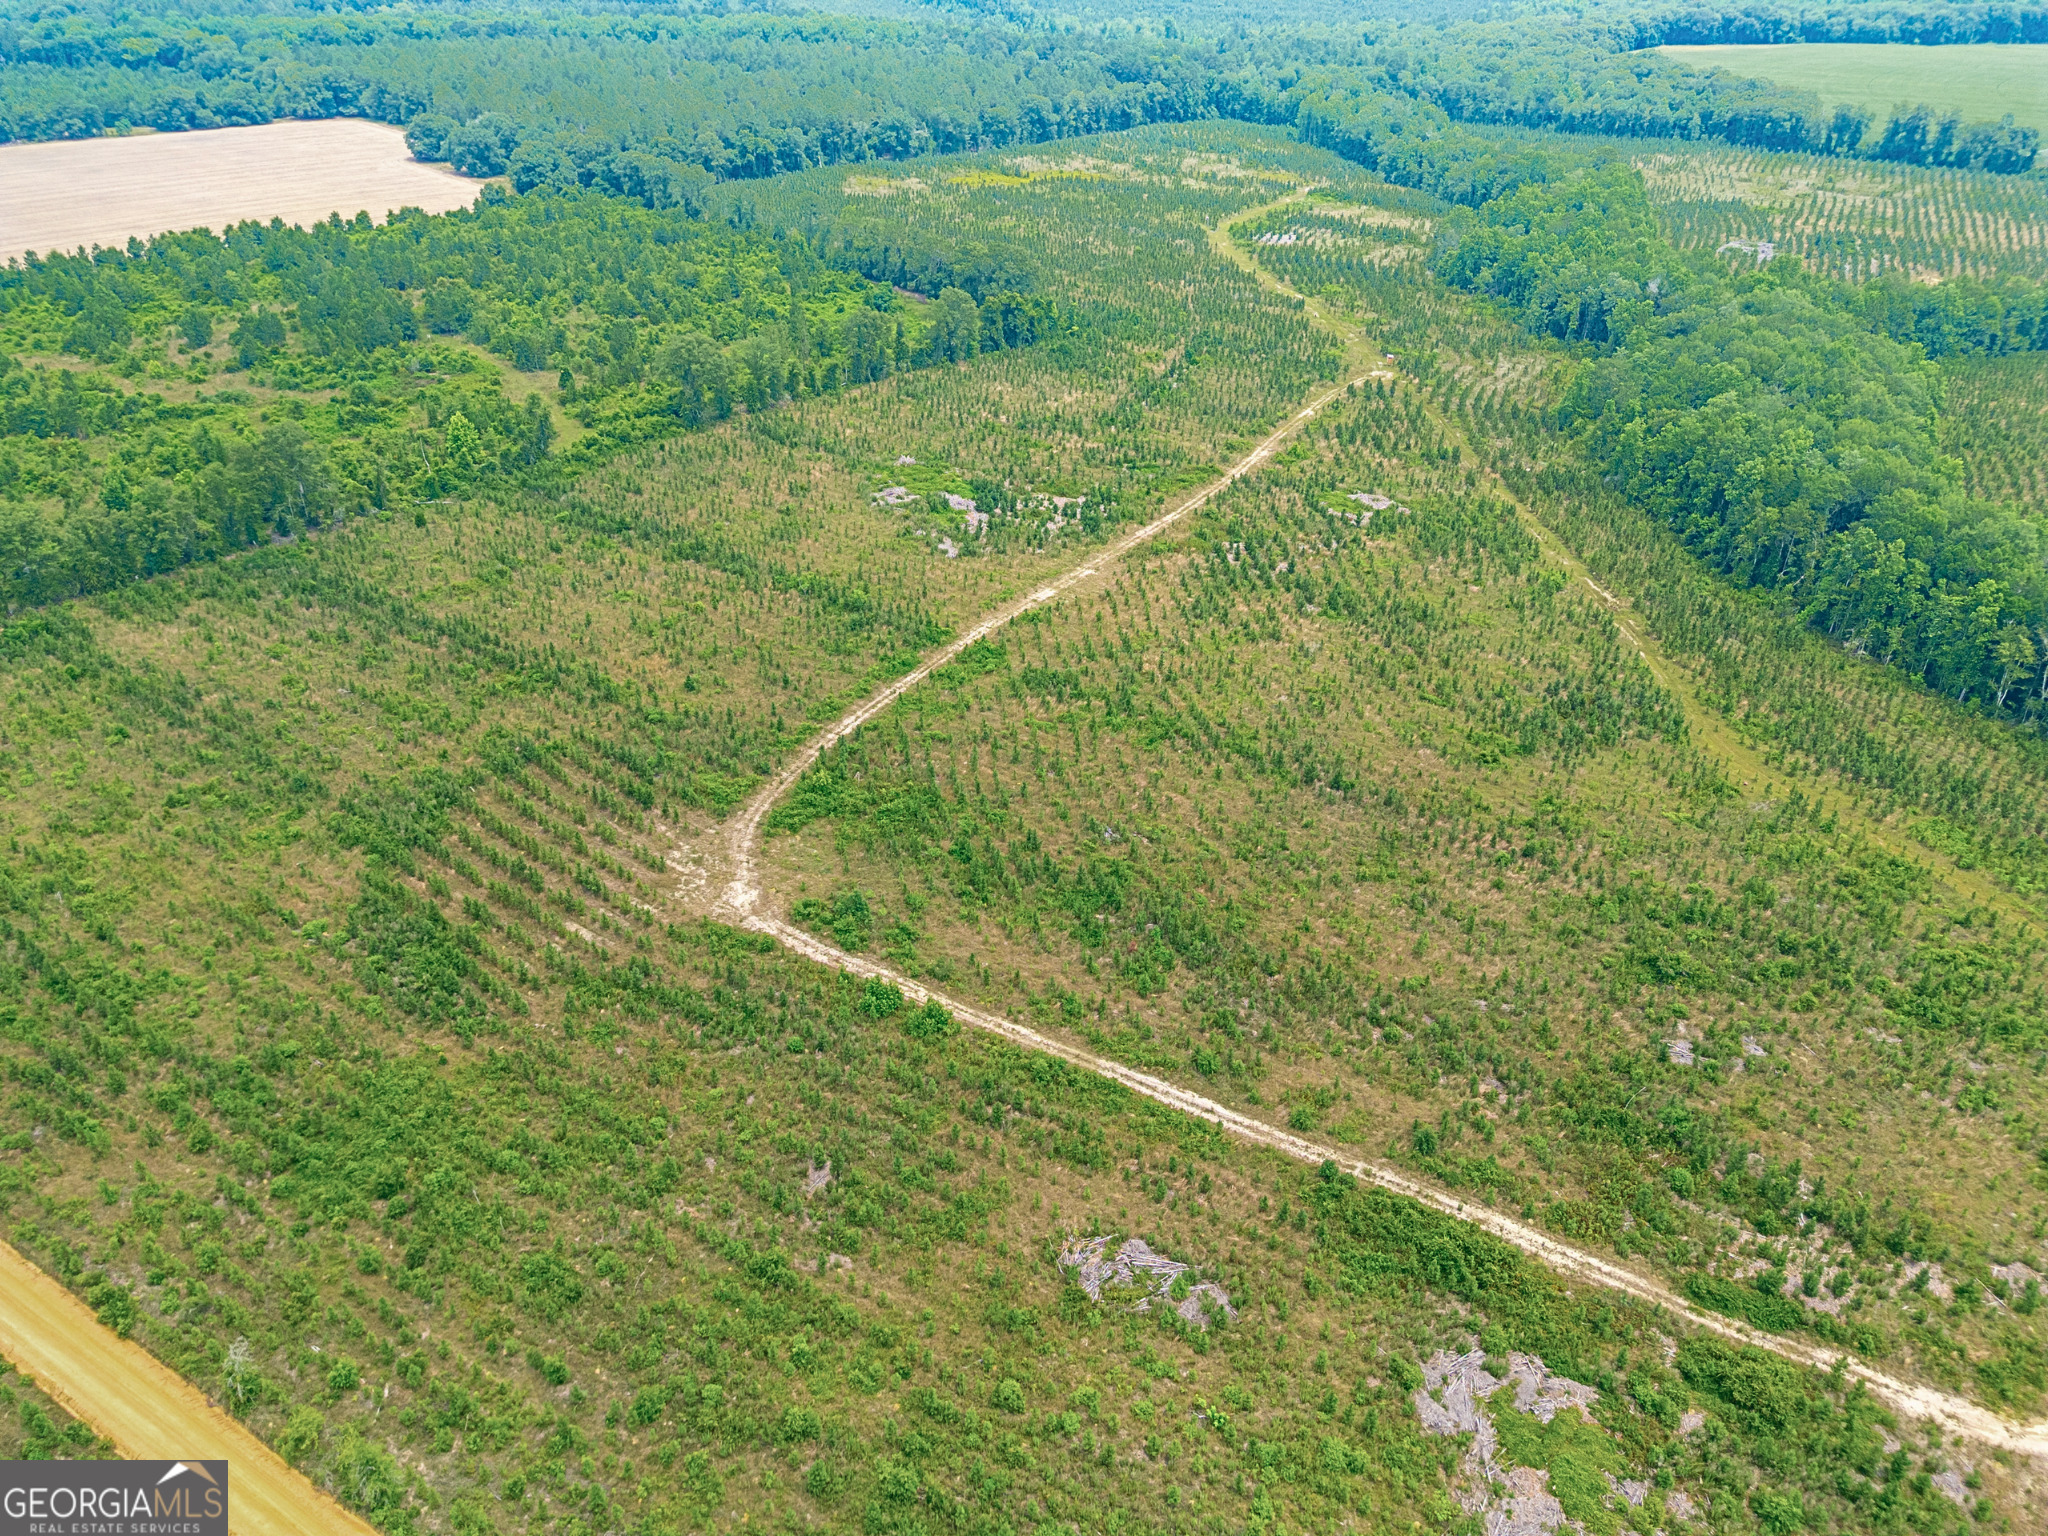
x,y
741,896
743,839
148,1410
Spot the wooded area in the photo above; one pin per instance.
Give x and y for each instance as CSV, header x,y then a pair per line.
x,y
553,97
342,384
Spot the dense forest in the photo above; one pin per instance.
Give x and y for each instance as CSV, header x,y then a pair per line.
x,y
1880,22
358,368
550,96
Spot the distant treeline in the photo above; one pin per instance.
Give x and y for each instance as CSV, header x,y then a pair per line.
x,y
1879,21
1782,423
1503,75
655,107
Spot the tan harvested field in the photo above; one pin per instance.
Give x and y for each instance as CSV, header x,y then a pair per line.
x,y
84,192
148,1410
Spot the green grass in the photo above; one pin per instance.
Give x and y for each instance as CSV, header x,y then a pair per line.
x,y
1982,81
1578,1455
33,1428
1997,425
1381,831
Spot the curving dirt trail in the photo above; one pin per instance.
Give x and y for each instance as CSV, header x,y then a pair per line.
x,y
1956,1415
147,1409
743,837
741,898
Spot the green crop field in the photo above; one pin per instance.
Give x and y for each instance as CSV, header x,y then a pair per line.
x,y
1982,81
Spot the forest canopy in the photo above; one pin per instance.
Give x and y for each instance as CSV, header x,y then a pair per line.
x,y
390,345
651,106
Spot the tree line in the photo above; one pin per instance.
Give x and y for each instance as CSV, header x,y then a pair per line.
x,y
1860,21
1782,423
656,107
371,343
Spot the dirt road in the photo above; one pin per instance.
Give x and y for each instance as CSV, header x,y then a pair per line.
x,y
148,1410
741,898
743,839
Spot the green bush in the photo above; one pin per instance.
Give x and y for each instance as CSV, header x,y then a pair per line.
x,y
1752,1303
847,917
1009,1396
648,1403
881,999
931,1022
552,1368
301,1434
1768,1394
1779,1514
823,1482
897,1483
550,1283
114,1306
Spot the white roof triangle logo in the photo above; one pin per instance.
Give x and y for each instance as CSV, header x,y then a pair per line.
x,y
179,1466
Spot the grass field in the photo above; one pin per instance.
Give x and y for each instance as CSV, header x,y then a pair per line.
x,y
1983,81
1856,220
1996,425
1445,830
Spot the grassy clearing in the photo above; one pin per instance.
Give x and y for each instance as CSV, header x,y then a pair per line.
x,y
1982,81
1997,424
1377,824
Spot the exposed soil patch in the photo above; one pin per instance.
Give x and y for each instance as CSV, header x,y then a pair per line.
x,y
85,192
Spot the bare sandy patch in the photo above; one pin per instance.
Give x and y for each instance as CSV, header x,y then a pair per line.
x,y
1075,165
84,192
880,186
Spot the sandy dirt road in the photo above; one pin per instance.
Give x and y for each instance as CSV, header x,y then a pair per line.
x,y
743,839
148,1410
1957,1415
85,192
740,901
